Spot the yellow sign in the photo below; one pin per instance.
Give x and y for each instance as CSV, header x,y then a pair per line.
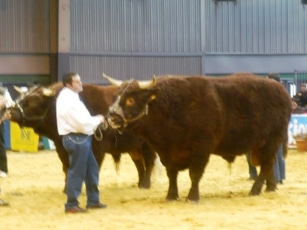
x,y
23,139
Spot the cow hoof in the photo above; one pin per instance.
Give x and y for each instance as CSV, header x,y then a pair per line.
x,y
144,185
171,200
256,188
270,190
192,201
251,193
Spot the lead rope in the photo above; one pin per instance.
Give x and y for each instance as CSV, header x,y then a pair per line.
x,y
98,132
100,136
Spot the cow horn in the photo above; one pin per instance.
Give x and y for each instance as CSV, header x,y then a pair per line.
x,y
147,84
112,80
48,92
18,89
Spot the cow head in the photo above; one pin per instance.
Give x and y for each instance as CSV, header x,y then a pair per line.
x,y
31,106
131,101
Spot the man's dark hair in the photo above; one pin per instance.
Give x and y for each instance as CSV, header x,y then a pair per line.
x,y
274,76
67,78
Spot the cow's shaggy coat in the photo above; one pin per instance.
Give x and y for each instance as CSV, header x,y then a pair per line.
x,y
185,119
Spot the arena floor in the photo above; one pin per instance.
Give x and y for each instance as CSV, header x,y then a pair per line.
x,y
35,183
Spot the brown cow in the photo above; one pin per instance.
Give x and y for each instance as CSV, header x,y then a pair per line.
x,y
186,119
36,109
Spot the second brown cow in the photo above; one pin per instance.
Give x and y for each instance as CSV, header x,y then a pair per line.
x,y
36,109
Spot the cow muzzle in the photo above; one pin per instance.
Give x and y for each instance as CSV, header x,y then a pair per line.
x,y
116,122
116,117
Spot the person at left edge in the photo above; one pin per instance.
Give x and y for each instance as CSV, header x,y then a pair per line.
x,y
3,158
6,101
76,126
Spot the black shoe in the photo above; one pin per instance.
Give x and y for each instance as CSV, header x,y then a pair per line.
x,y
96,206
75,209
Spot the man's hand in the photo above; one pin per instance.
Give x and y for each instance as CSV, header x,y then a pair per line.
x,y
5,116
103,122
104,125
2,102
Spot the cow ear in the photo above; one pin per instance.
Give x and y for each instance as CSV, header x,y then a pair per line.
x,y
48,92
153,97
153,93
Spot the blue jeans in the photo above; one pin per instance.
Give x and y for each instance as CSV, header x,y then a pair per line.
x,y
280,166
83,167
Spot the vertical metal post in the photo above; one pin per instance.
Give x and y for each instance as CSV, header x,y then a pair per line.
x,y
295,81
64,37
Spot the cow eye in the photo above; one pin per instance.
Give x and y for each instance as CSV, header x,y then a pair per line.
x,y
129,102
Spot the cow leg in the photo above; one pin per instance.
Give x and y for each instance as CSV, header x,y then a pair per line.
x,y
172,193
139,164
194,190
266,174
198,164
144,161
270,181
139,161
257,186
270,184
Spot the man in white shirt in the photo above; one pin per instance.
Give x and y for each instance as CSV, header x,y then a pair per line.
x,y
3,158
76,126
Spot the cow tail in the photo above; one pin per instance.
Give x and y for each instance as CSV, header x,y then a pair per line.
x,y
116,158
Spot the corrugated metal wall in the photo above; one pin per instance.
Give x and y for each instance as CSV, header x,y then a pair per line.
x,y
128,67
135,38
168,26
24,26
256,27
138,38
135,26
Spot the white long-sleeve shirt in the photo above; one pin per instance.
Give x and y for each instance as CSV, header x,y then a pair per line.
x,y
72,115
6,100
